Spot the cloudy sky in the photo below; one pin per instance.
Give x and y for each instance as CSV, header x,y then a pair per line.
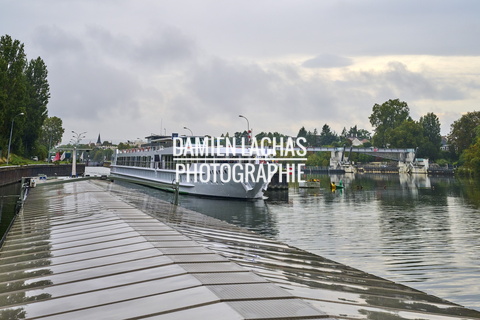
x,y
127,69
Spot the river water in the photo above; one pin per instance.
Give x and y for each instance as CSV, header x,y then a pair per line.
x,y
416,230
420,231
9,196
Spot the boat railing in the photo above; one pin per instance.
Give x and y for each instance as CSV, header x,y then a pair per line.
x,y
144,149
149,162
132,162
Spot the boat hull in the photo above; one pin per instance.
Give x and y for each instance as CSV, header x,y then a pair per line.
x,y
195,183
309,184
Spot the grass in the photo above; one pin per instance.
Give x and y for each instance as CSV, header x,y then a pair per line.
x,y
20,161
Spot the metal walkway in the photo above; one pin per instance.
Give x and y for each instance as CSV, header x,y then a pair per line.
x,y
96,250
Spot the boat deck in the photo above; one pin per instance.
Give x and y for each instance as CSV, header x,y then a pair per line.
x,y
96,250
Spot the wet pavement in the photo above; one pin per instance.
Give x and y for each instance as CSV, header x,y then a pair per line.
x,y
97,250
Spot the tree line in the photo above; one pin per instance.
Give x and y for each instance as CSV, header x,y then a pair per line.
x,y
24,95
395,128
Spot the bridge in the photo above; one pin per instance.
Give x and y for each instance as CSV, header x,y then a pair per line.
x,y
407,162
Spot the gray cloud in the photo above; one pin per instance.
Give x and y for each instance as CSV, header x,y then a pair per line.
x,y
163,64
83,84
327,61
398,81
278,98
347,28
161,47
96,75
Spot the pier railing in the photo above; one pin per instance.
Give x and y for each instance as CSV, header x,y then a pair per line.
x,y
14,174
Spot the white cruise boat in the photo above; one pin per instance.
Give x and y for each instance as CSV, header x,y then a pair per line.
x,y
225,172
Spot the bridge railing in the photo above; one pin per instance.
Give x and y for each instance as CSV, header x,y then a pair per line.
x,y
354,149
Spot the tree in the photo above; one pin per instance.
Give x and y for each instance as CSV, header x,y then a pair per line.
x,y
52,132
312,139
318,159
302,133
327,137
124,146
471,155
101,155
462,132
13,86
409,134
274,136
353,132
359,133
431,128
433,139
38,92
24,90
385,118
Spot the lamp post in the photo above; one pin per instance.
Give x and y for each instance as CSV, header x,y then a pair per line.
x,y
191,132
11,131
248,127
49,145
77,138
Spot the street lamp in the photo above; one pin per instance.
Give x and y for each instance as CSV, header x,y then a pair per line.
x,y
11,131
248,127
77,138
49,144
188,130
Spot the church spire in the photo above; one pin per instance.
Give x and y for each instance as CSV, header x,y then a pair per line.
x,y
99,142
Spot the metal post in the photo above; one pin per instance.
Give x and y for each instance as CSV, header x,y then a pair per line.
x,y
78,137
248,127
49,146
22,192
191,132
11,131
74,162
176,191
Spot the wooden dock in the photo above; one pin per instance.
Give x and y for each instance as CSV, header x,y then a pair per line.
x,y
97,250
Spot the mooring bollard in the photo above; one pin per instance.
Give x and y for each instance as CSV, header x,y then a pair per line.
x,y
176,191
22,192
24,189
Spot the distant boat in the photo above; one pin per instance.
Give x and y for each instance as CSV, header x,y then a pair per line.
x,y
311,183
334,187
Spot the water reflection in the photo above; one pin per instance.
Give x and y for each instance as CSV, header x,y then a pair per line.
x,y
411,229
251,214
8,205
